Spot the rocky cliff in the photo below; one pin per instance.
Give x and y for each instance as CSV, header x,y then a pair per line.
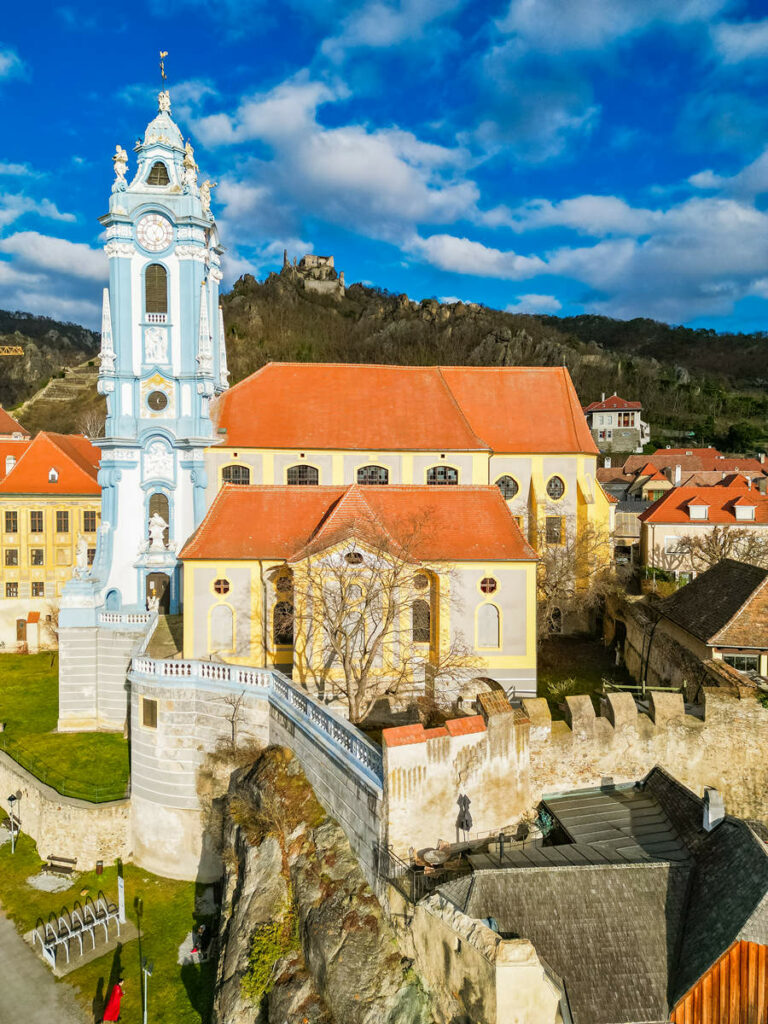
x,y
303,938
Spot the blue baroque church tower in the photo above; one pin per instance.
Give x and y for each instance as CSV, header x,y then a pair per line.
x,y
163,360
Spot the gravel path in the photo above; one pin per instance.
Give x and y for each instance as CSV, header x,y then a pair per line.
x,y
28,991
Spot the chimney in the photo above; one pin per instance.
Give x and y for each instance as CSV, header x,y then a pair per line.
x,y
678,475
714,808
602,397
607,462
761,457
10,462
762,484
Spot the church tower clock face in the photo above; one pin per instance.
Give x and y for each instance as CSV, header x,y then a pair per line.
x,y
154,233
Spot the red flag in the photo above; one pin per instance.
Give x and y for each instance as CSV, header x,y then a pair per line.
x,y
112,1010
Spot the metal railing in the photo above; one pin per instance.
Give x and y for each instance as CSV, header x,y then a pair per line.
x,y
282,694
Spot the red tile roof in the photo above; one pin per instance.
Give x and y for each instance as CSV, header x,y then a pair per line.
x,y
13,448
405,735
8,425
404,408
612,404
648,470
72,456
699,459
674,506
465,726
430,523
33,616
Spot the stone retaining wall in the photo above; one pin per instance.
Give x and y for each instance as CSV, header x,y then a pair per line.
x,y
63,826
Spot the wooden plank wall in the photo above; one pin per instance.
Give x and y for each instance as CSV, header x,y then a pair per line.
x,y
733,991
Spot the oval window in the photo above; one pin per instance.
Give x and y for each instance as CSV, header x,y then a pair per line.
x,y
508,487
353,557
555,487
221,586
157,401
488,585
421,582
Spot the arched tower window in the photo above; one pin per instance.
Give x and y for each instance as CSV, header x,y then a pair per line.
x,y
156,288
159,174
159,503
442,475
421,622
236,475
282,624
488,623
373,475
302,475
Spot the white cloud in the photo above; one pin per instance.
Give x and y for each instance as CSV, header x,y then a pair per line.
x,y
559,26
746,40
11,64
749,182
464,256
706,180
383,23
43,252
17,170
588,214
535,304
13,206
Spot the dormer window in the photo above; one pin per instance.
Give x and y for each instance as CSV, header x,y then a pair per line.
x,y
10,462
53,475
698,511
745,513
159,174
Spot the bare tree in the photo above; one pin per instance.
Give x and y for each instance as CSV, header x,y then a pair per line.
x,y
575,570
91,423
234,702
700,552
363,620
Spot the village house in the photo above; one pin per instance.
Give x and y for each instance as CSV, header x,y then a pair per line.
x,y
616,424
11,429
49,498
694,513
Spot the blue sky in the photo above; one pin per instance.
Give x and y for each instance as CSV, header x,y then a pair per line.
x,y
554,156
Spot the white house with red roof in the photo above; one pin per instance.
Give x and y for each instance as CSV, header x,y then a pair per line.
x,y
616,424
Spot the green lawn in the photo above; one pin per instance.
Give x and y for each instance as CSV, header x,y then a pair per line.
x,y
177,995
584,662
91,766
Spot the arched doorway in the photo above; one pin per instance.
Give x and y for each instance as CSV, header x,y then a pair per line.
x,y
113,601
159,586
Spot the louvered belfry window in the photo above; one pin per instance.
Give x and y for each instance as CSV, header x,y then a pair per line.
x,y
159,174
156,288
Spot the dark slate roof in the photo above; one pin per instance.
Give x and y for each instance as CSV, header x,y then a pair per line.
x,y
609,931
706,604
633,506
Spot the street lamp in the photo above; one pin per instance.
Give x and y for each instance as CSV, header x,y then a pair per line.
x,y
147,966
11,801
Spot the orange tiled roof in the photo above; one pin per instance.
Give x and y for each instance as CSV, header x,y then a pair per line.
x,y
699,459
405,735
674,506
405,408
73,456
8,425
285,522
13,448
612,404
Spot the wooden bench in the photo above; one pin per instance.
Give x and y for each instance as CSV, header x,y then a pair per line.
x,y
60,865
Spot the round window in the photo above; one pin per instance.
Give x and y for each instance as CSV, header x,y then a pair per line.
x,y
157,401
508,487
555,487
421,582
488,585
284,583
221,586
353,557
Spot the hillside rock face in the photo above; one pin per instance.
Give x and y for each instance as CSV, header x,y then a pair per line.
x,y
303,937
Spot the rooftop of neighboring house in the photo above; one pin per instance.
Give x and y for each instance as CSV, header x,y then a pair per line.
x,y
720,504
693,459
9,427
426,523
50,464
632,902
613,404
726,606
345,407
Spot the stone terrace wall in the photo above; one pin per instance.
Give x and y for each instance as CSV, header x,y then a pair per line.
x,y
63,826
506,768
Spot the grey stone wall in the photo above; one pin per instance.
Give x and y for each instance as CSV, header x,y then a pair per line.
x,y
623,439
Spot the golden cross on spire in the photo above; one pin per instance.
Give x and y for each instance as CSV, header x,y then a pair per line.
x,y
163,55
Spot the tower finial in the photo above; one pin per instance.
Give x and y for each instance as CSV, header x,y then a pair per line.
x,y
163,55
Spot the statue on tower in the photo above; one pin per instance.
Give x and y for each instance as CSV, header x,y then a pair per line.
x,y
205,195
164,101
189,174
157,527
120,161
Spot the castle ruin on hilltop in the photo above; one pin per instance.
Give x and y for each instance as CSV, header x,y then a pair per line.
x,y
315,274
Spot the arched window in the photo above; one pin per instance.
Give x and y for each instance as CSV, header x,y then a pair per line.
x,y
442,475
282,624
159,174
236,475
421,621
302,475
373,475
222,628
555,487
488,623
159,503
156,288
508,487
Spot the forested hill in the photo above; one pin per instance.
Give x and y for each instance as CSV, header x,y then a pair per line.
x,y
48,347
687,380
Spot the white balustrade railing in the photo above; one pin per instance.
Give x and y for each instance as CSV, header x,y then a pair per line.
x,y
124,618
281,693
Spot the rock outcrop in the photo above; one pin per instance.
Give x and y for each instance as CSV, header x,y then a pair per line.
x,y
303,937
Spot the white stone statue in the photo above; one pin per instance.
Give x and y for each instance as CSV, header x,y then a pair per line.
x,y
81,555
164,102
157,528
120,161
153,603
205,194
189,174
